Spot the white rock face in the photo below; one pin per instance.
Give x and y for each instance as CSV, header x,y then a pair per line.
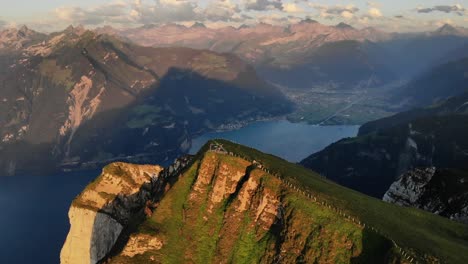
x,y
99,214
439,191
408,189
90,238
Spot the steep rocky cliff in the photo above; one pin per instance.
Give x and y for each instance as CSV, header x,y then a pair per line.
x,y
234,204
111,205
99,214
441,191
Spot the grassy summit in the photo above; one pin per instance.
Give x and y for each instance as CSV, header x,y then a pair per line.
x,y
225,209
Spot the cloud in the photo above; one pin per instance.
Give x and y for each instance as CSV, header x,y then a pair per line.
x,y
272,19
347,14
111,13
223,10
457,9
157,11
372,4
331,12
164,11
440,23
374,12
292,8
262,5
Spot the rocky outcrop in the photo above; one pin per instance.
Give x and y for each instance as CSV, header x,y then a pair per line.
x,y
440,191
141,243
122,194
100,213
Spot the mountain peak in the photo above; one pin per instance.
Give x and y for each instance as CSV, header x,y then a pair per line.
x,y
78,30
447,29
309,21
243,26
149,26
343,25
198,25
24,28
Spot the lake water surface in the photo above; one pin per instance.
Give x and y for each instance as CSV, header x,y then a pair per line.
x,y
33,210
291,141
33,215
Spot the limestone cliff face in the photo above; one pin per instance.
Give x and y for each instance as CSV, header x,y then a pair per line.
x,y
440,191
91,236
100,213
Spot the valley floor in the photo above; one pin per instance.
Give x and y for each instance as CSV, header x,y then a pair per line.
x,y
326,105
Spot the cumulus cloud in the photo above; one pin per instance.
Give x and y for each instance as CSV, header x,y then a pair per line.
x,y
106,13
292,8
456,9
223,10
145,12
262,5
273,19
440,23
164,11
331,12
374,12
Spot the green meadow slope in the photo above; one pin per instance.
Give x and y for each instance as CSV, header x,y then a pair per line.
x,y
239,205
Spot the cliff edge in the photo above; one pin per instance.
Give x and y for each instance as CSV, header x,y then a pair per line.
x,y
100,213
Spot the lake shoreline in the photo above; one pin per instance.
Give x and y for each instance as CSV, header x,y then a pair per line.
x,y
278,135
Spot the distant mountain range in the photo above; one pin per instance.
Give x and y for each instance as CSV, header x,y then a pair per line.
x,y
75,97
309,53
280,53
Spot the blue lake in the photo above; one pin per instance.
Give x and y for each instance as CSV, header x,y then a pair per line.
x,y
33,210
291,141
33,215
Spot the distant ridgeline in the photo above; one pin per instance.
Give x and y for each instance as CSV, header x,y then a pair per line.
x,y
231,203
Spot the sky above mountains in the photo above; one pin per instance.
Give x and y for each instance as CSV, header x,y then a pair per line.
x,y
390,15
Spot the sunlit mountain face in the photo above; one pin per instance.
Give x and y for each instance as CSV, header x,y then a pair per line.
x,y
234,131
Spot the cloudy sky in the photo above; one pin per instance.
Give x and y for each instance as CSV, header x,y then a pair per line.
x,y
390,15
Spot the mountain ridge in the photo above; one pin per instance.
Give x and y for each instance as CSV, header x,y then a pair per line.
x,y
78,77
226,162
